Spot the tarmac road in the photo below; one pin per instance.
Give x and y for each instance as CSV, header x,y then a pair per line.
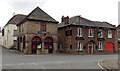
x,y
16,60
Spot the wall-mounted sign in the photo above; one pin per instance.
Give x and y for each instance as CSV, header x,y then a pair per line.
x,y
79,38
100,39
39,46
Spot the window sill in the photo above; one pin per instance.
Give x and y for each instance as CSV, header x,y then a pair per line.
x,y
110,38
79,50
90,36
79,36
100,49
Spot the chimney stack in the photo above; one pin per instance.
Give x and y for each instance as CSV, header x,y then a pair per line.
x,y
65,20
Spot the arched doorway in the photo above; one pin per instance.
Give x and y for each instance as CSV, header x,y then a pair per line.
x,y
49,44
91,47
36,41
109,48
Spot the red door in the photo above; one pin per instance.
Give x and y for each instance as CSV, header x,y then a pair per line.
x,y
90,49
109,48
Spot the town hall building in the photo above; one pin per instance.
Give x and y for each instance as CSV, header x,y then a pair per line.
x,y
37,33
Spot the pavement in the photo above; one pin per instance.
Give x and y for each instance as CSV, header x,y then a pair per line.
x,y
111,64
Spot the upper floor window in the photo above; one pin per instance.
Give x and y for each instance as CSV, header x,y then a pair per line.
x,y
100,46
68,32
90,33
43,27
2,32
79,32
100,34
109,34
15,33
79,46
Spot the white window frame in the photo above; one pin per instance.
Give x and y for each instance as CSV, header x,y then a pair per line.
x,y
90,32
101,33
79,46
100,46
109,33
79,32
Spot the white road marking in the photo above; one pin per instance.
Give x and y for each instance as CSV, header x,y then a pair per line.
x,y
100,63
20,64
8,65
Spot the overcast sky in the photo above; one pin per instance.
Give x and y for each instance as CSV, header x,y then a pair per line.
x,y
95,10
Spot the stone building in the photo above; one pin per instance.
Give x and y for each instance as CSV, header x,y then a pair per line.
x,y
37,33
9,31
78,35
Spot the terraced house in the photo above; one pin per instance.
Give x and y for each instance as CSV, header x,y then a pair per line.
x,y
80,35
37,33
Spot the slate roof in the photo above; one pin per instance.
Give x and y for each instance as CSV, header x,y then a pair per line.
x,y
39,15
118,26
16,19
78,20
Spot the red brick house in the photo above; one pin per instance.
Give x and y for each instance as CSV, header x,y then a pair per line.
x,y
37,33
80,35
118,37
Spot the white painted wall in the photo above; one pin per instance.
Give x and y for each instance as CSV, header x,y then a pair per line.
x,y
8,35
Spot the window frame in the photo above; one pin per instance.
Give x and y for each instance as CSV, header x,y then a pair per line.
x,y
101,34
90,32
14,33
15,42
100,46
79,46
43,27
109,33
68,33
79,32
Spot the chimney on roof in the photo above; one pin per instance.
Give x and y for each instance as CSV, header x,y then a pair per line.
x,y
65,20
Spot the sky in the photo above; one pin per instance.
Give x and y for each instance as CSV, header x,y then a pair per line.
x,y
95,10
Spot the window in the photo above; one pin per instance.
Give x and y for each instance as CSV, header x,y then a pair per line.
x,y
70,46
90,33
43,27
100,34
100,46
109,34
14,42
79,30
15,33
2,32
79,46
69,33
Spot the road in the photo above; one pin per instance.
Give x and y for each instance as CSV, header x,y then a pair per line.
x,y
16,60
